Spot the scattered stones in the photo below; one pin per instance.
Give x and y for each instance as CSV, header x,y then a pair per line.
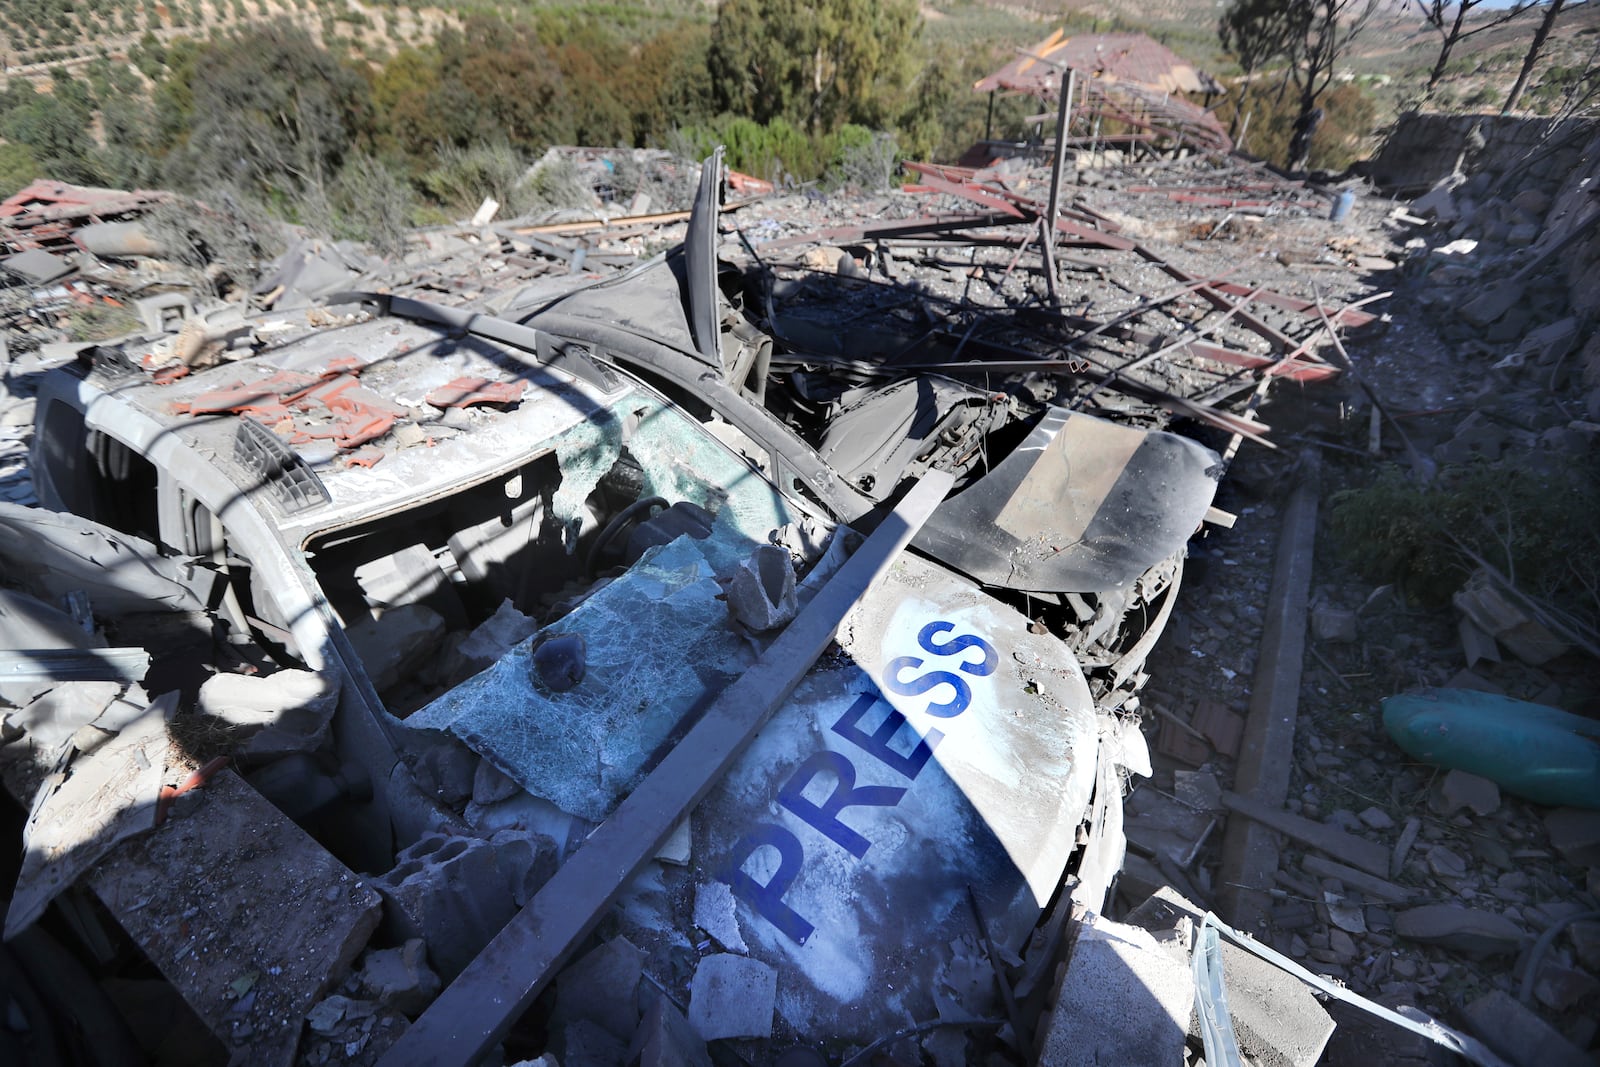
x,y
761,591
1466,930
714,913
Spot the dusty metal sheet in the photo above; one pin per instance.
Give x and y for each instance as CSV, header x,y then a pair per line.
x,y
1082,504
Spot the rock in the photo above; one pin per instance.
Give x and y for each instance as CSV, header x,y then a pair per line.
x,y
489,786
665,1039
678,847
1493,612
1533,201
714,913
446,772
560,661
1334,625
493,638
327,1016
1439,202
1522,236
280,713
1446,864
1562,988
1124,999
1466,930
1585,938
400,977
1402,847
1342,944
1575,833
1488,305
732,996
397,643
1462,790
1376,819
1519,1035
602,988
761,591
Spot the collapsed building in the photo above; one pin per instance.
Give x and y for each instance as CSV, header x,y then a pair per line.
x,y
737,651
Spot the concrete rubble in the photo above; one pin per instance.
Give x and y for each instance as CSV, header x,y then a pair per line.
x,y
524,719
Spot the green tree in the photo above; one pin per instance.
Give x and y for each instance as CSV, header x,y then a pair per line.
x,y
514,90
818,65
274,111
1324,31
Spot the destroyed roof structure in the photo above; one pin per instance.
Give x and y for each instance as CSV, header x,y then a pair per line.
x,y
1132,85
761,645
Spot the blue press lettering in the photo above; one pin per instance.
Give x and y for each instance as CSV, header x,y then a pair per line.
x,y
924,682
767,899
956,645
876,744
825,817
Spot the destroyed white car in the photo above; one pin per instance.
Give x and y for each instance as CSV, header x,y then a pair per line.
x,y
530,575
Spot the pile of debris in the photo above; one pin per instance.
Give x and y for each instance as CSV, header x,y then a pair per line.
x,y
567,712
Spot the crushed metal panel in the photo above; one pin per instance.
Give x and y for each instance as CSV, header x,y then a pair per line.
x,y
1081,505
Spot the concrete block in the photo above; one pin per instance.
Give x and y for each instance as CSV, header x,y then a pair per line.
x,y
1439,202
732,996
602,988
1487,306
1519,1035
1275,1016
1124,999
450,893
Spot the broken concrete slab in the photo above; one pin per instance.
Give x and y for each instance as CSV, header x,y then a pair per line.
x,y
716,914
1124,999
1488,305
1334,625
1496,614
732,996
1376,888
1518,1034
191,896
392,646
1461,929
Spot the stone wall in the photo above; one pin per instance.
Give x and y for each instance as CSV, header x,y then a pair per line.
x,y
1530,152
